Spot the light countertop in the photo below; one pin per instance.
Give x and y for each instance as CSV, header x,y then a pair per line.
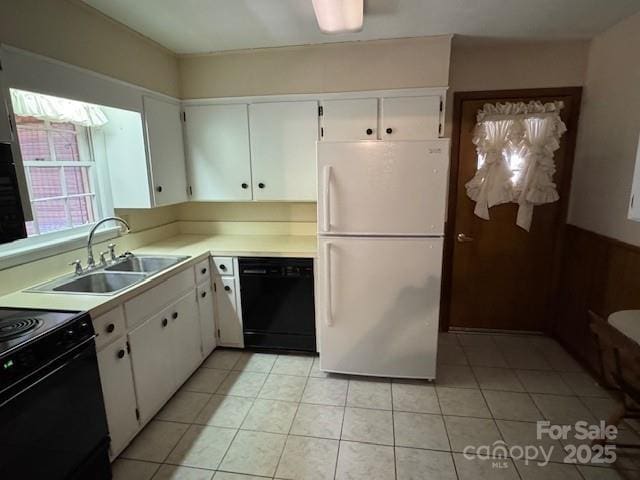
x,y
198,247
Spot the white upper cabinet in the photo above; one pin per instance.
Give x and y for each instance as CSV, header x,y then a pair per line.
x,y
218,153
166,151
283,150
410,118
352,119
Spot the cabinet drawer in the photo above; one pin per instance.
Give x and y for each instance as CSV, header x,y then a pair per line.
x,y
152,301
109,326
202,270
224,265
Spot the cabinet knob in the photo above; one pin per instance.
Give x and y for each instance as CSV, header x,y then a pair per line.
x,y
203,271
261,185
174,315
245,185
227,288
110,328
164,322
159,188
389,130
223,266
203,294
120,353
369,131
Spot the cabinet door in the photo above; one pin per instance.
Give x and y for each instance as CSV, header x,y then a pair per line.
x,y
119,397
186,338
152,363
410,118
207,320
353,119
228,320
283,150
166,151
217,146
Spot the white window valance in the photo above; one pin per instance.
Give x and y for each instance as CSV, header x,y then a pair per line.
x,y
515,144
55,109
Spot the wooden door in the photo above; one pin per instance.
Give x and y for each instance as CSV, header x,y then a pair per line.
x,y
283,150
217,146
350,119
499,276
410,118
166,151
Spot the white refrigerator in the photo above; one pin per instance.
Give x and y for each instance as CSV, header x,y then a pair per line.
x,y
381,214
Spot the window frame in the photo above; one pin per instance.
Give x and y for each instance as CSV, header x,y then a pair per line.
x,y
85,150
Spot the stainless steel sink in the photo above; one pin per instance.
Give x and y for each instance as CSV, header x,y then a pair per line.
x,y
100,282
108,280
145,263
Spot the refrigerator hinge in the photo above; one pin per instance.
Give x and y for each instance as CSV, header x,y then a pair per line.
x,y
320,110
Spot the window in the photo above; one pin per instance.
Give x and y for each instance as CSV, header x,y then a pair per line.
x,y
60,174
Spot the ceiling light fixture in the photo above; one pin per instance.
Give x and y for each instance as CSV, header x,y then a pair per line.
x,y
339,16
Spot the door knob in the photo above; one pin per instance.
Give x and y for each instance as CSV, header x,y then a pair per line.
x,y
389,131
369,131
462,238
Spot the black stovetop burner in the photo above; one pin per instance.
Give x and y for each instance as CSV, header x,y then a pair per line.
x,y
16,327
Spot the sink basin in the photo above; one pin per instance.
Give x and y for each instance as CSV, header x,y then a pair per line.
x,y
100,282
145,263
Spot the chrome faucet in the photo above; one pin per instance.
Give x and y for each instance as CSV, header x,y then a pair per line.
x,y
91,263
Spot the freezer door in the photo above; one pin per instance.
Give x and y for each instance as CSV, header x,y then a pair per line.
x,y
382,188
378,305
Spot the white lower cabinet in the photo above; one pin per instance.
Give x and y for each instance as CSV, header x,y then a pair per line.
x,y
186,339
229,319
151,346
207,317
119,395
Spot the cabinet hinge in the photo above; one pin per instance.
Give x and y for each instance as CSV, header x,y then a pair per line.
x,y
0,64
218,333
215,289
632,199
441,105
184,116
321,132
137,414
190,190
320,111
128,347
439,129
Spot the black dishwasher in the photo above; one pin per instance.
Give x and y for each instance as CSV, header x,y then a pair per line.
x,y
277,303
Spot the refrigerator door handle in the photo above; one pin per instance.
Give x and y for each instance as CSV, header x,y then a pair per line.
x,y
326,224
327,285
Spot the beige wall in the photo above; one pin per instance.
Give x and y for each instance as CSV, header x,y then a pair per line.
x,y
72,32
247,212
478,64
608,134
403,63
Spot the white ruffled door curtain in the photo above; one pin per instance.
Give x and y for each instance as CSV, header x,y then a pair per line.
x,y
515,144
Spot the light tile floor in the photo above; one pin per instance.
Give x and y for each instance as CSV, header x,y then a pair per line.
x,y
245,416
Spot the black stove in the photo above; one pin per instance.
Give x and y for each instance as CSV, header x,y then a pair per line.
x,y
51,405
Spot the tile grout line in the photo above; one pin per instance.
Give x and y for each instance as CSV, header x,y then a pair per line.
x,y
344,412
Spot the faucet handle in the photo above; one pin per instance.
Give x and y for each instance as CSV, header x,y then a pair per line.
x,y
112,251
103,260
78,266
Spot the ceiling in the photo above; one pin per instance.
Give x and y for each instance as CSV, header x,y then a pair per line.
x,y
201,26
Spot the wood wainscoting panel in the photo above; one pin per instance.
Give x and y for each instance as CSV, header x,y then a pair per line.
x,y
600,274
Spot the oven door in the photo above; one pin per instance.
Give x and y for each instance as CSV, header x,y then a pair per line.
x,y
55,426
